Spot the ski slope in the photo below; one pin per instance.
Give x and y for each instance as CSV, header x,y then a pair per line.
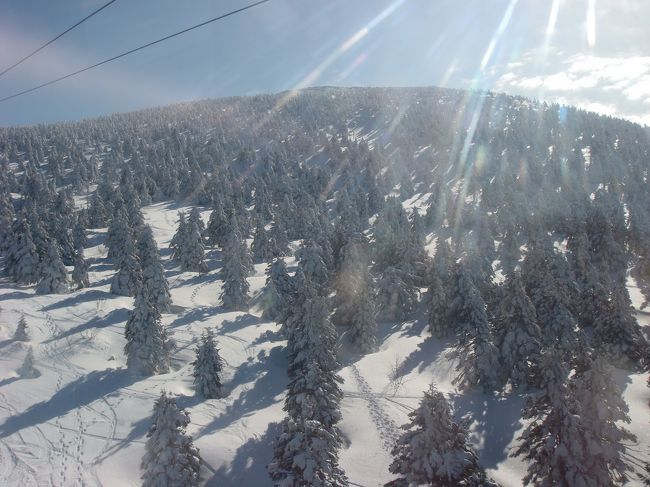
x,y
83,421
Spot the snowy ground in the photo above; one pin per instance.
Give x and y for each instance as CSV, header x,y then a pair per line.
x,y
84,420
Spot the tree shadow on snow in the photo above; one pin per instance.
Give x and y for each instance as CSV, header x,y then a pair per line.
x,y
242,321
195,315
83,297
270,372
425,354
249,465
494,419
114,317
80,392
15,295
8,380
101,267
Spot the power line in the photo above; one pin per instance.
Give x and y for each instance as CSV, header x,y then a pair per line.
x,y
57,37
131,51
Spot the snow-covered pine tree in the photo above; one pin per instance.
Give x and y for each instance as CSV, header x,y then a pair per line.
x,y
314,394
616,332
601,408
351,269
439,322
195,219
234,272
312,265
310,333
557,324
478,364
22,333
207,367
147,346
363,324
118,232
22,260
192,249
170,458
467,312
442,264
154,283
79,238
396,298
97,213
279,240
277,291
218,225
27,369
306,454
517,334
552,441
7,215
641,273
434,449
127,281
509,253
79,274
261,248
54,276
176,244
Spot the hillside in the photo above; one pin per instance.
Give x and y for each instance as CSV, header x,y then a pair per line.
x,y
369,184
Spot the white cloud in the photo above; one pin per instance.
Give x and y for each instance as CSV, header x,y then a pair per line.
x,y
611,85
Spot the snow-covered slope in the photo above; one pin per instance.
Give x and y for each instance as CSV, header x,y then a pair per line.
x,y
84,420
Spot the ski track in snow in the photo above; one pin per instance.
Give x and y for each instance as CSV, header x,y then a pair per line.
x,y
388,430
71,465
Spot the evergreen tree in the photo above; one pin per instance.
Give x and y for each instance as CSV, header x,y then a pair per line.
x,y
517,333
396,298
467,311
128,278
312,265
79,238
351,264
154,283
218,226
363,325
439,322
170,458
54,276
22,333
195,219
147,346
310,333
234,272
434,449
277,291
279,241
22,260
478,364
80,272
207,367
314,394
601,408
7,215
178,241
118,233
189,250
616,332
261,247
551,439
27,369
641,274
306,454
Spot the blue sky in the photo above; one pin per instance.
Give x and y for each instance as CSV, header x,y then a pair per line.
x,y
591,53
